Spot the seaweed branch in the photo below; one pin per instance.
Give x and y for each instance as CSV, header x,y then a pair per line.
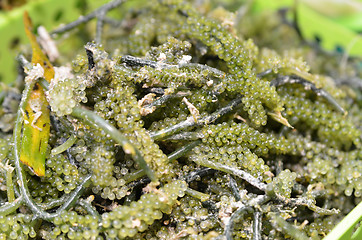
x,y
83,19
234,188
234,171
247,207
310,203
190,136
164,98
182,150
67,144
38,212
287,228
237,214
54,203
190,121
257,225
9,181
86,204
308,86
139,62
99,123
11,207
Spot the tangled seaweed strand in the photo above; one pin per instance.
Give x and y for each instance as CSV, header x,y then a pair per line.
x,y
178,127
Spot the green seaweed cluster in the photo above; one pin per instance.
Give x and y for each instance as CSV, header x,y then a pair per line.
x,y
184,125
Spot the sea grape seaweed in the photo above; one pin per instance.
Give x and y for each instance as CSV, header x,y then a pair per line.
x,y
182,121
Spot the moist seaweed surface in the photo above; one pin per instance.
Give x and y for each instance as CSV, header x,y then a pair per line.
x,y
183,120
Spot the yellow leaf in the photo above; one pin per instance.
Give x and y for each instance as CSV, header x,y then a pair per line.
x,y
36,116
38,55
277,116
35,132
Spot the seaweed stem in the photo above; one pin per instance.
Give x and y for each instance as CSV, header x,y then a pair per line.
x,y
67,144
185,136
190,121
88,207
240,211
196,194
257,225
310,203
172,156
97,122
83,19
10,207
74,196
182,150
113,22
99,26
308,86
198,174
135,61
264,73
134,175
23,61
54,203
234,171
163,99
281,225
234,188
55,124
9,184
9,181
237,214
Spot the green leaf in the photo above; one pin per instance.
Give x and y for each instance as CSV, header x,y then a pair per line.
x,y
344,229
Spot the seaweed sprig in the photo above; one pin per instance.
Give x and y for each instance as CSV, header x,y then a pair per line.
x,y
182,128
